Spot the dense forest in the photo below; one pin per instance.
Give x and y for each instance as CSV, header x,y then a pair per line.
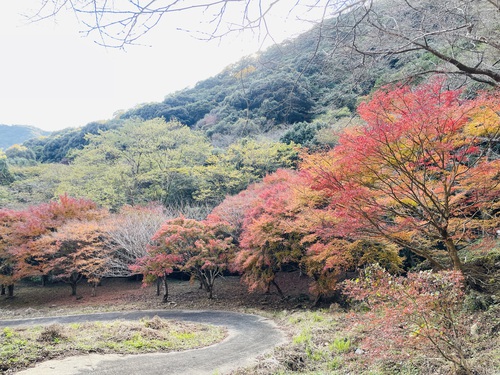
x,y
305,157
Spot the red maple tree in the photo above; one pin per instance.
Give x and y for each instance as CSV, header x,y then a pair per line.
x,y
421,173
201,248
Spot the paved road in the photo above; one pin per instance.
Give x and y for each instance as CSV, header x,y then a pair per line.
x,y
249,337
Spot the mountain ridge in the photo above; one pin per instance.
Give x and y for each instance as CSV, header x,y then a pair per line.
x,y
18,134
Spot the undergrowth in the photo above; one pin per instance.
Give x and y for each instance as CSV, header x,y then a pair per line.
x,y
330,341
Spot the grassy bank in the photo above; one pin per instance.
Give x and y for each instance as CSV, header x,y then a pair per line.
x,y
333,342
25,346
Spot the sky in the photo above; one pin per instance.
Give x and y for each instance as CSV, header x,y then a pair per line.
x,y
53,77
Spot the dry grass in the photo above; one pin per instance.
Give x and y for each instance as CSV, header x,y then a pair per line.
x,y
33,300
23,347
328,341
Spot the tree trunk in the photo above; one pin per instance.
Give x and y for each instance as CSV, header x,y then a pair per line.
x,y
2,293
453,253
45,279
317,300
94,287
210,292
10,290
158,285
165,285
268,288
201,277
278,289
74,278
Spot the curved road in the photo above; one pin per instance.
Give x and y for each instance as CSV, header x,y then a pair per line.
x,y
249,336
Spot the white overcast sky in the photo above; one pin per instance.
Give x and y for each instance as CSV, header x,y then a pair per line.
x,y
53,78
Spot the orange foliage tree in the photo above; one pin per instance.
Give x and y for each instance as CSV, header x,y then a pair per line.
x,y
75,251
8,221
281,224
423,172
56,239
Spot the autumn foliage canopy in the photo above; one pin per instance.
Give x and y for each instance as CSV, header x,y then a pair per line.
x,y
423,173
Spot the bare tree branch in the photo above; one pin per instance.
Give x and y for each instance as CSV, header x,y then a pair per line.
x,y
462,34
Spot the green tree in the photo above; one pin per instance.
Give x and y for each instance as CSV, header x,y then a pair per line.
x,y
241,164
137,163
5,175
35,184
20,155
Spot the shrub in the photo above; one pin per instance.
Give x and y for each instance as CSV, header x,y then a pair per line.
x,y
422,311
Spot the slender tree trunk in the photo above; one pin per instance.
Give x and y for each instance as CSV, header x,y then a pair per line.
x,y
318,296
201,278
2,293
278,288
165,285
453,253
210,292
94,287
158,285
73,281
209,276
317,300
209,282
10,290
45,279
203,283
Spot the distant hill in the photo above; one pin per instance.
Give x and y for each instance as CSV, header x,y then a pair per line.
x,y
18,134
296,91
287,86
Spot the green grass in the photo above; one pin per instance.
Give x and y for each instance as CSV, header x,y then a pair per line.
x,y
22,347
340,345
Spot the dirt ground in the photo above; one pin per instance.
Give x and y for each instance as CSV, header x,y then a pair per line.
x,y
33,300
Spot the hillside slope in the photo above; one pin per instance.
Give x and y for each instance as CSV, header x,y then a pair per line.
x,y
294,82
295,89
18,134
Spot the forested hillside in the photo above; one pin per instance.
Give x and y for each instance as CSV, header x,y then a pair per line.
x,y
363,156
230,130
290,91
243,123
17,134
296,82
296,89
